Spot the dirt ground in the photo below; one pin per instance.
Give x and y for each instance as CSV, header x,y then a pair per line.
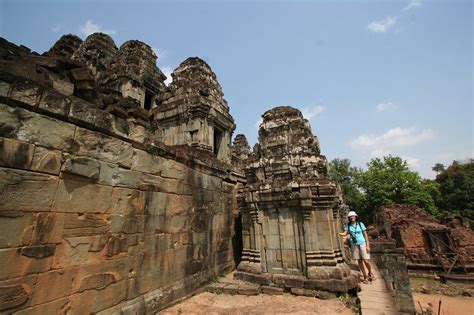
x,y
449,305
456,298
210,304
431,286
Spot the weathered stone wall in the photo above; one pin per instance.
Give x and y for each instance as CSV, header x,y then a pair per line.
x,y
392,265
96,216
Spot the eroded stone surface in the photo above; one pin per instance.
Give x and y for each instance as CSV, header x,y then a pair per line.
x,y
11,296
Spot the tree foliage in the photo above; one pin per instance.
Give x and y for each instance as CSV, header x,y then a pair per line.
x,y
456,186
386,181
342,171
389,181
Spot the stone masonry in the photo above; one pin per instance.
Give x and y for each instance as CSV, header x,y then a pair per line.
x,y
97,213
290,211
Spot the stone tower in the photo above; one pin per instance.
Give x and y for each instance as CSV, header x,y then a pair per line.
x,y
240,152
193,111
290,210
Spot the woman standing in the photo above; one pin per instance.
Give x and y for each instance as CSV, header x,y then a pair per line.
x,y
359,242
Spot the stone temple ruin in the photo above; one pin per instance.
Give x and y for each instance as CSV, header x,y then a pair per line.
x,y
120,194
445,248
290,210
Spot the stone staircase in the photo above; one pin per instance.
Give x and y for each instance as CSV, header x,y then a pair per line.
x,y
229,285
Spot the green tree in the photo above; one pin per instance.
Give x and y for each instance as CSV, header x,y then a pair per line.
x,y
438,168
389,181
457,188
345,174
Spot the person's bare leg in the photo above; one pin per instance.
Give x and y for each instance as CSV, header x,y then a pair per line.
x,y
368,266
361,267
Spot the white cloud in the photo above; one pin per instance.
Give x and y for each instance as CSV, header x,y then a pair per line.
x,y
398,137
167,72
312,111
413,162
386,107
90,28
258,123
55,29
380,153
412,4
382,26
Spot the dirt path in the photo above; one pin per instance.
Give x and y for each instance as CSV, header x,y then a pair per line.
x,y
449,305
209,303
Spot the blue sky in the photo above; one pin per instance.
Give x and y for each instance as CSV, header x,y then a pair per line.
x,y
373,77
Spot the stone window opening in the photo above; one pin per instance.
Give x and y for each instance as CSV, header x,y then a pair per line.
x,y
218,134
149,99
193,134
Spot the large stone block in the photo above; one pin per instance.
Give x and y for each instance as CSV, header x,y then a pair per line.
x,y
27,283
16,154
87,115
88,276
173,169
178,224
16,264
97,281
26,92
127,201
119,244
82,197
154,224
53,285
55,103
113,175
16,184
4,88
61,85
82,166
167,185
103,147
179,204
38,251
155,203
85,224
46,161
48,228
35,128
143,161
60,306
13,295
16,228
82,250
93,301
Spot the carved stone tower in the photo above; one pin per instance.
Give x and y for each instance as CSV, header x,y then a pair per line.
x,y
193,110
290,210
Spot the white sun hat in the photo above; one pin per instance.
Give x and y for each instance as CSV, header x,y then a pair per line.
x,y
352,213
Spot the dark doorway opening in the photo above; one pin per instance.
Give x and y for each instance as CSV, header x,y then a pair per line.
x,y
237,243
217,141
149,99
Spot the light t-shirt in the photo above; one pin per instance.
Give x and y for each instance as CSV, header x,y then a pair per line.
x,y
356,230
